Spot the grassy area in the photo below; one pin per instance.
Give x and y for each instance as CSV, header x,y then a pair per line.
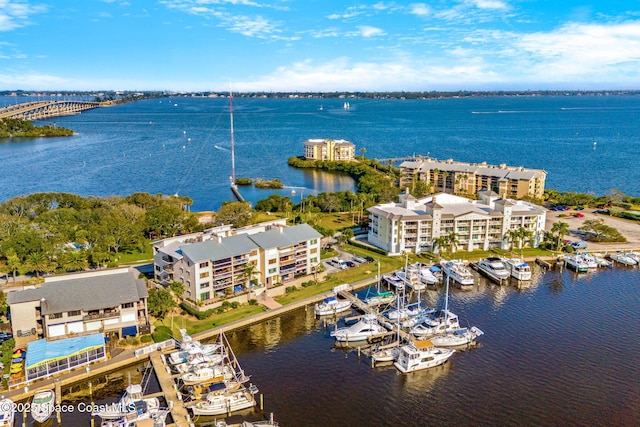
x,y
193,326
137,257
335,221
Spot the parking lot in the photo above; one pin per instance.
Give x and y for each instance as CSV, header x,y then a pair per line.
x,y
629,229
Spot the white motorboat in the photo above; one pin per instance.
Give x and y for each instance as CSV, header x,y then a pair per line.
x,y
211,373
219,404
460,336
364,328
421,355
394,281
439,323
381,298
388,354
144,418
518,269
623,258
411,280
332,305
7,413
43,405
577,263
406,312
427,275
602,262
132,401
494,268
592,264
457,271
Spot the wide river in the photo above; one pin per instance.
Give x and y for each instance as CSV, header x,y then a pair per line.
x,y
182,145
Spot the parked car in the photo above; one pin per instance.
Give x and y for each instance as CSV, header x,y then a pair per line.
x,y
580,244
351,264
369,259
359,259
579,215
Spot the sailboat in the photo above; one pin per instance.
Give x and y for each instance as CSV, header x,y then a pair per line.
x,y
346,106
379,298
389,352
457,336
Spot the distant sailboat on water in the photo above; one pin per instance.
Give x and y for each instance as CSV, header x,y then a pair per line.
x,y
346,106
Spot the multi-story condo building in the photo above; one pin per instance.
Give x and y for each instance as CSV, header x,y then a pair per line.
x,y
113,302
448,176
225,260
413,225
329,149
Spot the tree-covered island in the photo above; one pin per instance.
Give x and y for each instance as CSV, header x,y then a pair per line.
x,y
12,127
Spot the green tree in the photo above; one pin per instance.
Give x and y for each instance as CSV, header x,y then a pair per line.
x,y
440,243
177,288
74,260
37,263
362,151
12,265
236,213
453,241
160,302
560,229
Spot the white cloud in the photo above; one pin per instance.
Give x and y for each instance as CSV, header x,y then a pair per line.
x,y
488,4
14,14
419,9
369,31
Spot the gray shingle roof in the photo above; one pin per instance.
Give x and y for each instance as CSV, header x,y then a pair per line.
x,y
84,292
213,250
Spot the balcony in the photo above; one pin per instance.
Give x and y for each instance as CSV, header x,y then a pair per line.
x,y
98,316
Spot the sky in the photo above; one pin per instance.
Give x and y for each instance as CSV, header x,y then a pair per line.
x,y
319,45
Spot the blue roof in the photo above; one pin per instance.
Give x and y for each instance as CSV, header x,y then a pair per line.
x,y
43,351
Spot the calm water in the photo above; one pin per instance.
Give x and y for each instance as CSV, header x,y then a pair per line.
x,y
182,145
562,352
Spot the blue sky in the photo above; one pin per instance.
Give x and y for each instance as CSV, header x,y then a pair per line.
x,y
319,45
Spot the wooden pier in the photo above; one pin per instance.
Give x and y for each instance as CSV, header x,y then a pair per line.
x,y
179,413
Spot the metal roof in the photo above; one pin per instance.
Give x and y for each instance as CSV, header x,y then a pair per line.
x,y
42,351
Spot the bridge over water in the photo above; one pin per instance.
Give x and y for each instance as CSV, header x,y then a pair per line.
x,y
39,110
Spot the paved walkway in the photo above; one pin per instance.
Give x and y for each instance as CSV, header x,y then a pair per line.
x,y
268,302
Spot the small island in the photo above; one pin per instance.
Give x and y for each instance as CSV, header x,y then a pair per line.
x,y
13,127
273,184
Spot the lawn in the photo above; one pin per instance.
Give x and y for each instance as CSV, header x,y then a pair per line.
x,y
193,325
335,221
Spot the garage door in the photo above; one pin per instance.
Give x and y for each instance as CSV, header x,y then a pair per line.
x,y
56,330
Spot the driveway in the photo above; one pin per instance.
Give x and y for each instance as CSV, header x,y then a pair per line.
x,y
629,229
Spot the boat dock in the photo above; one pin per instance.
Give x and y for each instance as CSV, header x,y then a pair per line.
x,y
178,411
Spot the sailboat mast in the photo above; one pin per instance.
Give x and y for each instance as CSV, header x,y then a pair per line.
x,y
233,153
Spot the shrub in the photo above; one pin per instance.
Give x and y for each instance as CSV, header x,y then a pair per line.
x,y
253,301
235,304
146,339
289,289
162,333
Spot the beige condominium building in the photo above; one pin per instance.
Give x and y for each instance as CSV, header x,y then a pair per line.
x,y
412,225
448,176
329,149
224,260
113,302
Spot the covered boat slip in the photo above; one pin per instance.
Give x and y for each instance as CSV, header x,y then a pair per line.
x,y
46,358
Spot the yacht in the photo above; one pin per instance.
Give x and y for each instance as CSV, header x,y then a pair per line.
x,y
421,355
132,405
494,268
381,298
332,305
439,323
623,259
457,271
394,280
577,263
42,405
427,275
518,269
460,336
219,404
366,327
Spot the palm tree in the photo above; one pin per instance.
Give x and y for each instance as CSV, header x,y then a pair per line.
x,y
511,236
560,229
36,262
362,151
12,265
453,241
440,243
249,272
521,235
